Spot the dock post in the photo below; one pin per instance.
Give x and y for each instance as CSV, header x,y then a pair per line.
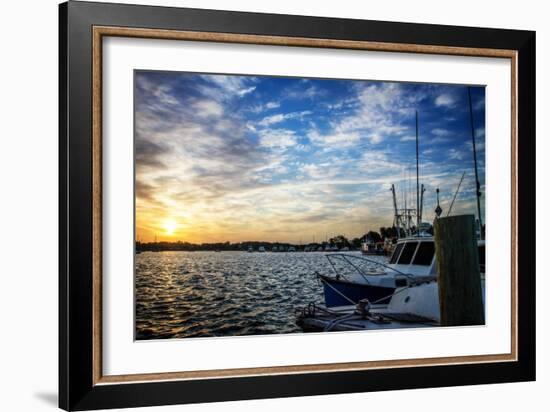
x,y
459,280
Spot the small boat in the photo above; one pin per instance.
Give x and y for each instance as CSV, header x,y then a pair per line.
x,y
250,249
412,306
261,249
291,249
274,249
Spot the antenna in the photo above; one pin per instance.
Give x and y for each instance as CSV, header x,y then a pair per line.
x,y
417,182
478,186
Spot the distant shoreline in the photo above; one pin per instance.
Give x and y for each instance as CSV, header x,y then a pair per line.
x,y
251,246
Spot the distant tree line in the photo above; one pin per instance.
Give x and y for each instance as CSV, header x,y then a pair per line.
x,y
340,241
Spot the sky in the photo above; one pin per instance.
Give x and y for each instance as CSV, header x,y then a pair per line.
x,y
230,158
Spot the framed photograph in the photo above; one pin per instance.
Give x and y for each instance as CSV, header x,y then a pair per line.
x,y
256,206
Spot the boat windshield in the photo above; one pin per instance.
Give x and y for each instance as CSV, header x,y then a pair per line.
x,y
396,253
425,254
407,254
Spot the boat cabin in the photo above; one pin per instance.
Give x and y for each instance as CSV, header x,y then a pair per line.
x,y
416,256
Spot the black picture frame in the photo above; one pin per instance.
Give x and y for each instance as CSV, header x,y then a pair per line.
x,y
77,390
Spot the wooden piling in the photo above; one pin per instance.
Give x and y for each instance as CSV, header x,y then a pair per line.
x,y
459,280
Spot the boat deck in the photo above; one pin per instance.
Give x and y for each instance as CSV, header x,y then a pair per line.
x,y
347,318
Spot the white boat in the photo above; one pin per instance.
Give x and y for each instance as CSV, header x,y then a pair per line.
x,y
291,249
261,249
250,249
409,307
412,261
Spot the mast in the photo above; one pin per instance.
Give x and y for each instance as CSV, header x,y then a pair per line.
x,y
405,195
478,186
417,181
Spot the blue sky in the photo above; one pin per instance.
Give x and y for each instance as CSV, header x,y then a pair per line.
x,y
233,158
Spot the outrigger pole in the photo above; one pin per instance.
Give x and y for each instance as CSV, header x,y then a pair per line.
x,y
478,186
456,193
396,218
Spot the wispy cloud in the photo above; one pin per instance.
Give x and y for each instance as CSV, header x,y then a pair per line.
x,y
445,100
281,117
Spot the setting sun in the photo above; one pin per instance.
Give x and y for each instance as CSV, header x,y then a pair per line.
x,y
170,226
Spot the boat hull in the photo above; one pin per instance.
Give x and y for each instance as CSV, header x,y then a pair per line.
x,y
335,288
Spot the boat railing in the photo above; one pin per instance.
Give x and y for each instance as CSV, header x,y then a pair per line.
x,y
348,259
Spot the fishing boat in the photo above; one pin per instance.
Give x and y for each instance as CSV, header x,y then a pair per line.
x,y
355,277
373,248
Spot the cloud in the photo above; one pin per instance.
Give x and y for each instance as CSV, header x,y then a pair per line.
x,y
335,139
244,92
281,117
377,112
298,91
320,171
277,138
208,108
379,162
375,138
440,132
227,87
259,108
439,140
455,154
445,100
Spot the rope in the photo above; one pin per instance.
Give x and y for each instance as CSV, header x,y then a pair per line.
x,y
395,292
336,321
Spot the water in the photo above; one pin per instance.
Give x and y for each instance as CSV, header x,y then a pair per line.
x,y
192,294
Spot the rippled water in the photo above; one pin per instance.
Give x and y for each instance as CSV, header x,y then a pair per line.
x,y
191,294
